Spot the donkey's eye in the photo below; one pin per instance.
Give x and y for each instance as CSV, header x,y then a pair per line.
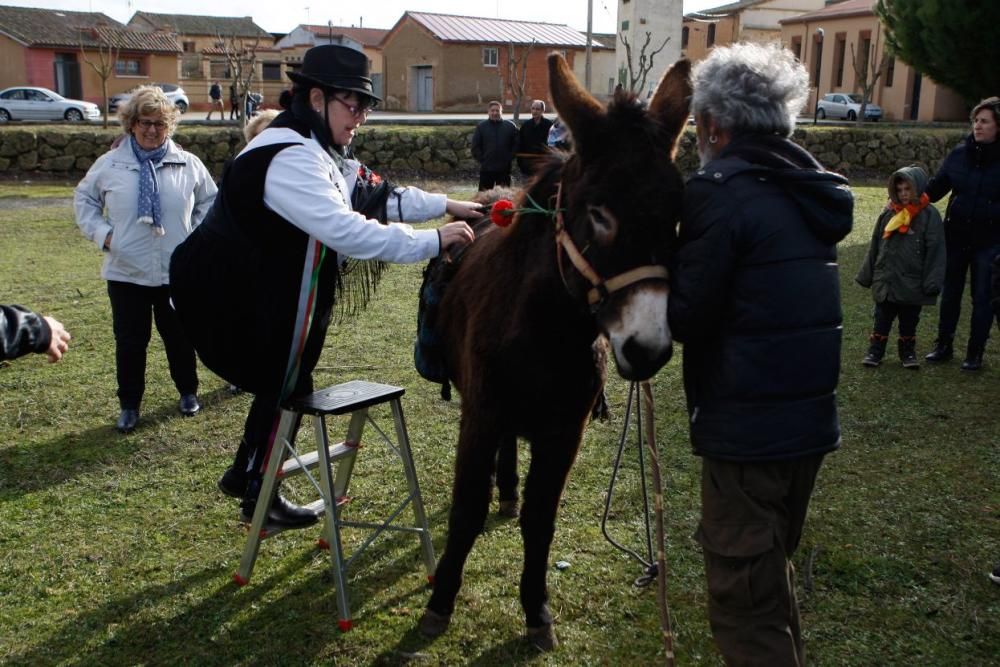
x,y
604,223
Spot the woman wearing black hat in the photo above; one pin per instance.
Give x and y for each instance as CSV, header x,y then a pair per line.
x,y
255,286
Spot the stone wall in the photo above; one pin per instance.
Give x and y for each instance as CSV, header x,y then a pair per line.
x,y
398,152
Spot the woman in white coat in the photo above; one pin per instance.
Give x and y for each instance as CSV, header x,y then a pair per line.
x,y
137,203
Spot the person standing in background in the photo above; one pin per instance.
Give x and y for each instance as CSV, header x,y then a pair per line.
x,y
493,146
533,138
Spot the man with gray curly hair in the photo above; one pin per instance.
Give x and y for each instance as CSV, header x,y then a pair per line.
x,y
755,299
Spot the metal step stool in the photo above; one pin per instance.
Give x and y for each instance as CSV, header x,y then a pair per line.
x,y
352,398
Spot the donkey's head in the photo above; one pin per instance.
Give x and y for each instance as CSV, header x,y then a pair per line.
x,y
622,196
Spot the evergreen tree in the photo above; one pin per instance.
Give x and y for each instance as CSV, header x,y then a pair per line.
x,y
953,42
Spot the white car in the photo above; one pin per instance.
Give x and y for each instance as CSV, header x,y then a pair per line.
x,y
32,103
846,105
173,92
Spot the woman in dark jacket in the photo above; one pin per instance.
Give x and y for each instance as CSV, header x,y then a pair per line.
x,y
971,172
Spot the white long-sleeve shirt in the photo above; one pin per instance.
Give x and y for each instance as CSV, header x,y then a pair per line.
x,y
305,187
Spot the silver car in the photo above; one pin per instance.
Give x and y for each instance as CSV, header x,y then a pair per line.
x,y
31,103
846,105
173,92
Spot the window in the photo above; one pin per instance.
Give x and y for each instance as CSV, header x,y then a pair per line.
x,y
796,48
890,71
270,71
191,66
864,52
684,37
624,26
817,59
128,66
489,56
219,69
839,50
711,34
16,94
611,86
188,47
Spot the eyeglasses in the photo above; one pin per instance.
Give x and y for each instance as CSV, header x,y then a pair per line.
x,y
149,124
356,110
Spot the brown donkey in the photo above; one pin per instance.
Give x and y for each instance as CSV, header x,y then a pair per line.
x,y
521,317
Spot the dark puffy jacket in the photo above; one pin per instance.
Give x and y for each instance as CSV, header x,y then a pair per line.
x,y
755,298
906,268
494,144
971,172
995,289
22,331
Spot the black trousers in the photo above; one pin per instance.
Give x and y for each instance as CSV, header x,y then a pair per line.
x,y
908,315
490,179
133,309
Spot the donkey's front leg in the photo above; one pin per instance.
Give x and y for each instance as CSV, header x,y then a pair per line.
x,y
477,448
551,460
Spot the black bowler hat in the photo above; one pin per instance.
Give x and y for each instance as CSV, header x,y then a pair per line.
x,y
336,66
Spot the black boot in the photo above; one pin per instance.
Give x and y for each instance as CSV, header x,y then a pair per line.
x,y
943,349
876,350
282,514
973,357
908,352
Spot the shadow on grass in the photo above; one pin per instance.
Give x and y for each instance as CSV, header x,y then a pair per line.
x,y
228,625
24,470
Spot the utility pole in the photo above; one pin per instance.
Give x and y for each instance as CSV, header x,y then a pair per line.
x,y
590,38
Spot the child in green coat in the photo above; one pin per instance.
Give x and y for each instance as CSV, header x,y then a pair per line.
x,y
904,266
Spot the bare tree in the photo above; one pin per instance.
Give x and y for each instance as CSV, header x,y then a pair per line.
x,y
241,57
107,49
637,73
518,81
868,70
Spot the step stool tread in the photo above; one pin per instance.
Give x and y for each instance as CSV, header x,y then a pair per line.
x,y
311,459
344,398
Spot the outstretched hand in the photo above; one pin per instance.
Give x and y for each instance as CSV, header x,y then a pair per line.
x,y
60,340
464,210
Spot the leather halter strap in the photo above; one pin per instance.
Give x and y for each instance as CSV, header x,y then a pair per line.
x,y
602,288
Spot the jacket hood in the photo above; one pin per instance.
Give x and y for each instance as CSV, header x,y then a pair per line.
x,y
824,197
914,174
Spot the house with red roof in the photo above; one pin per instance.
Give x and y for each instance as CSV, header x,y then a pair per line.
x,y
50,48
441,62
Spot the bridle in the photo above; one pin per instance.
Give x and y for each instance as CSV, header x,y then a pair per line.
x,y
602,289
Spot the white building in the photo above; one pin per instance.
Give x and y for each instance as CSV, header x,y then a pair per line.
x,y
655,25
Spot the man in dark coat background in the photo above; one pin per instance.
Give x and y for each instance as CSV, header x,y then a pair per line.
x,y
493,146
755,299
533,138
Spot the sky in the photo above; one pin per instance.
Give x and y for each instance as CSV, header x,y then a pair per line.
x,y
284,15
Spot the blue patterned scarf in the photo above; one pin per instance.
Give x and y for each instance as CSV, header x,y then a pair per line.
x,y
149,191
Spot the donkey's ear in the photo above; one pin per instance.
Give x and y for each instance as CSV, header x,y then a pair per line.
x,y
672,101
577,108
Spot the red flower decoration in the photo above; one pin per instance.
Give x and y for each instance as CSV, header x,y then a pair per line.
x,y
502,213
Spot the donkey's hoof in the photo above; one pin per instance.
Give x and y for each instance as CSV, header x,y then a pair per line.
x,y
508,508
543,637
433,624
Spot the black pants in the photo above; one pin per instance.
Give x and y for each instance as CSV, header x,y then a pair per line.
x,y
886,312
977,264
133,309
490,179
259,430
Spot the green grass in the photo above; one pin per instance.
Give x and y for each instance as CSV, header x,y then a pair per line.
x,y
118,550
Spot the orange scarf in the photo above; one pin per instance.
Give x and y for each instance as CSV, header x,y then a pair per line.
x,y
904,214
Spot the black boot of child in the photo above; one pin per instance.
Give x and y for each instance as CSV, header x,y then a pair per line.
x,y
876,350
908,352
